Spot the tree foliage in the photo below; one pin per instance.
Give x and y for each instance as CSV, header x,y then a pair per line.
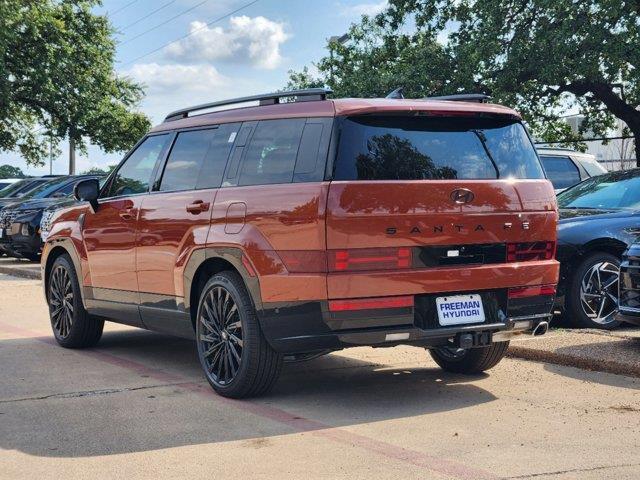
x,y
99,171
544,57
9,171
57,80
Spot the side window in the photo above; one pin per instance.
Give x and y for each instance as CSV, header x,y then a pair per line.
x,y
216,158
135,174
185,161
272,152
561,171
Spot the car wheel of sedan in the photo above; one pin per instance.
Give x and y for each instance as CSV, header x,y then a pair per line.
x,y
72,325
469,360
236,358
592,300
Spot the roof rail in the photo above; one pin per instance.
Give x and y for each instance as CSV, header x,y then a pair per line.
x,y
463,97
306,95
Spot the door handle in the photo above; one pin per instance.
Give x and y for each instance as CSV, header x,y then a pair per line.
x,y
198,206
126,213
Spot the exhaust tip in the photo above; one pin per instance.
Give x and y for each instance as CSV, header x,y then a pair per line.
x,y
541,329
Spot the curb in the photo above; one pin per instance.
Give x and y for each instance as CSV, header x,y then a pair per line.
x,y
21,272
594,365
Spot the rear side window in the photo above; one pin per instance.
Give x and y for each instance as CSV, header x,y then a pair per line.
x,y
197,159
271,155
135,173
422,148
561,171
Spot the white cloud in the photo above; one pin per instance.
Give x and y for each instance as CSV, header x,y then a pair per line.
x,y
254,40
370,9
169,78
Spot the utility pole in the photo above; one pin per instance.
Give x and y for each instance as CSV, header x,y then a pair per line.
x,y
50,154
72,154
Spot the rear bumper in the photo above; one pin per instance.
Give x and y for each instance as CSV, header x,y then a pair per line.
x,y
310,327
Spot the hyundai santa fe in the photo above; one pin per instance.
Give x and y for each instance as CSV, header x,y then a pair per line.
x,y
304,225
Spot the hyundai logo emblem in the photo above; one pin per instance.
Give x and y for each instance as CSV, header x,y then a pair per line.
x,y
460,196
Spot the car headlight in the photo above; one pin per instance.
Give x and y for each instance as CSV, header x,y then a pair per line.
x,y
24,230
45,223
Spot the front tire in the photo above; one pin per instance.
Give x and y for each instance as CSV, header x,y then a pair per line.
x,y
72,325
236,358
469,360
592,300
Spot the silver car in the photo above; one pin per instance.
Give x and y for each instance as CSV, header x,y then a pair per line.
x,y
566,167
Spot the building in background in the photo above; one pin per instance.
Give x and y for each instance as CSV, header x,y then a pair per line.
x,y
616,154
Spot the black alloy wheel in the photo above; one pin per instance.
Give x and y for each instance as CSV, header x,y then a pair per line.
x,y
236,358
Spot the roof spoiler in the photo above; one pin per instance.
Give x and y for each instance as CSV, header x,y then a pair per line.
x,y
307,95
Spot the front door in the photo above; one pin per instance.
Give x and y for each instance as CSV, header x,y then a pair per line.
x,y
110,232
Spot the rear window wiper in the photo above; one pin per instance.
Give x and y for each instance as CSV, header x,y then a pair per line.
x,y
483,140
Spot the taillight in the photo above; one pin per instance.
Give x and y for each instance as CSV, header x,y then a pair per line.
x,y
360,259
370,303
535,291
522,252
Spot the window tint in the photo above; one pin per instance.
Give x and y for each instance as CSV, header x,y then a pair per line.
x,y
185,160
415,148
561,171
271,154
134,175
217,155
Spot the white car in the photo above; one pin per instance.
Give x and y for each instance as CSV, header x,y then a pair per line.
x,y
566,167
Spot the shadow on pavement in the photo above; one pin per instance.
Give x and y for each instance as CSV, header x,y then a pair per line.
x,y
331,391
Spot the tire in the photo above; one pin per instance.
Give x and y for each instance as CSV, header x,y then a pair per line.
x,y
581,313
469,360
234,355
34,257
72,325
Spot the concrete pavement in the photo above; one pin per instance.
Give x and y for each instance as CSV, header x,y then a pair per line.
x,y
137,406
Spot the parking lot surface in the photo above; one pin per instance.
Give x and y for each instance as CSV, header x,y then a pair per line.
x,y
137,406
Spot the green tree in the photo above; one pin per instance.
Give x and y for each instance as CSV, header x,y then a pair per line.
x,y
372,60
543,57
9,171
57,81
99,171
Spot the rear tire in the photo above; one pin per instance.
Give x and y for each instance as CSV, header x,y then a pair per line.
x,y
584,292
469,360
236,358
72,325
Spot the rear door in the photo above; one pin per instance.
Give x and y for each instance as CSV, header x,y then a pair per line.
x,y
174,218
425,192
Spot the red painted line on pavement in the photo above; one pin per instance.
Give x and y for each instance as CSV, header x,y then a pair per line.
x,y
295,422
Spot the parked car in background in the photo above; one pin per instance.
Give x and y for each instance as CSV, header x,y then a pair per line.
x,y
50,189
23,237
599,220
12,193
566,167
300,228
5,182
629,300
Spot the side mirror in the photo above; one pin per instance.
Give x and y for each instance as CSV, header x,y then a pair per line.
x,y
87,191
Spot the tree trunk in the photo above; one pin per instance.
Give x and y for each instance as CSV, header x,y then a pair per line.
x,y
72,155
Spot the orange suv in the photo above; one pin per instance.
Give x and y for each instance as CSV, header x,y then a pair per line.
x,y
303,225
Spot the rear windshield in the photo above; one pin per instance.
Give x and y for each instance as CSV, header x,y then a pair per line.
x,y
420,148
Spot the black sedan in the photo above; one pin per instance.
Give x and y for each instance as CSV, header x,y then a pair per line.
x,y
599,220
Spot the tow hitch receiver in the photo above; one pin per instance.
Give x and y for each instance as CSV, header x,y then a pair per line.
x,y
473,339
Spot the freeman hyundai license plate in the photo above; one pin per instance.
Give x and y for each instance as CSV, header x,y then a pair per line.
x,y
460,309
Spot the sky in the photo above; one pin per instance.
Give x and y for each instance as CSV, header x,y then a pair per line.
x,y
220,49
